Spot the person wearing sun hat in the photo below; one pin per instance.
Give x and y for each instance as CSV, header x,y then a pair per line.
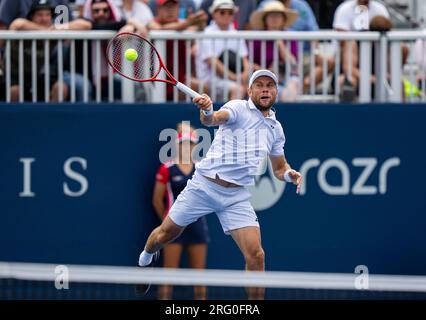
x,y
212,69
274,16
257,19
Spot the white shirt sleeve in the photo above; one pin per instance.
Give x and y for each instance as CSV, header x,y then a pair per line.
x,y
232,108
278,145
343,17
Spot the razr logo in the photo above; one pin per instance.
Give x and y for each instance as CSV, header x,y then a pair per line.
x,y
268,190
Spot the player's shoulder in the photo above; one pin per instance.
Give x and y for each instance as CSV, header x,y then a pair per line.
x,y
236,104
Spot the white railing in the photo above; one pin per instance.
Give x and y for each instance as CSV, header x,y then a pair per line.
x,y
389,75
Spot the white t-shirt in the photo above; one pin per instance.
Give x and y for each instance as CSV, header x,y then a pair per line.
x,y
241,145
209,48
346,15
140,12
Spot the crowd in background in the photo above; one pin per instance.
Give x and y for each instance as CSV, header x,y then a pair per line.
x,y
207,56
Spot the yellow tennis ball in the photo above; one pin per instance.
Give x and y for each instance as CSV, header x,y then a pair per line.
x,y
131,54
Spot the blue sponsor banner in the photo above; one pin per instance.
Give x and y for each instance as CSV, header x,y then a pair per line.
x,y
76,184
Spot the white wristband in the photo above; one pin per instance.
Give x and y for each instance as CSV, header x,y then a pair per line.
x,y
208,112
287,176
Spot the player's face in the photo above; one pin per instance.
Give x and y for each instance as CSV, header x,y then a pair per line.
x,y
263,92
101,12
169,12
43,17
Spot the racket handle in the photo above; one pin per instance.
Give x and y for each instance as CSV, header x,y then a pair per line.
x,y
187,90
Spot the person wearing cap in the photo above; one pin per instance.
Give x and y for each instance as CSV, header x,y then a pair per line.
x,y
171,179
13,9
248,134
211,55
274,16
245,8
186,7
354,15
40,17
168,17
104,15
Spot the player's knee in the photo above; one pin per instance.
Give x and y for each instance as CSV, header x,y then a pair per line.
x,y
256,257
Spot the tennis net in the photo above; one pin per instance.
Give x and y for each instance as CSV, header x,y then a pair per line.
x,y
50,281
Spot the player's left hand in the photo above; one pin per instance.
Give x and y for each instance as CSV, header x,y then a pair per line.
x,y
203,102
296,177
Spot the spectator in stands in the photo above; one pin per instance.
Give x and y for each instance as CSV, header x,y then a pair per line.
x,y
242,15
420,60
384,24
80,5
104,15
171,179
39,17
186,7
274,16
167,18
322,10
136,9
355,15
307,22
13,9
211,54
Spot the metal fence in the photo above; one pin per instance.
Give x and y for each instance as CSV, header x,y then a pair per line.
x,y
69,51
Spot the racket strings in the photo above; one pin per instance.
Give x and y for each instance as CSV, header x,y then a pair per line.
x,y
145,66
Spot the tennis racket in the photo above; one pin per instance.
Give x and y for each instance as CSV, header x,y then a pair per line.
x,y
146,67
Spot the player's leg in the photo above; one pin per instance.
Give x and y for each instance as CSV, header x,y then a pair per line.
x,y
248,240
165,233
197,254
171,259
239,220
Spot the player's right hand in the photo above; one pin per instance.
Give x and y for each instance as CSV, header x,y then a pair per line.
x,y
203,102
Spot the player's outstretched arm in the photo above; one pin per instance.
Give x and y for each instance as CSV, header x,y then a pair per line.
x,y
208,117
284,172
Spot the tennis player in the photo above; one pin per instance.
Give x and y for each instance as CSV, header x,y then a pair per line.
x,y
219,185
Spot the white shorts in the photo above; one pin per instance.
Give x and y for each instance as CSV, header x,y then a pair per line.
x,y
201,197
